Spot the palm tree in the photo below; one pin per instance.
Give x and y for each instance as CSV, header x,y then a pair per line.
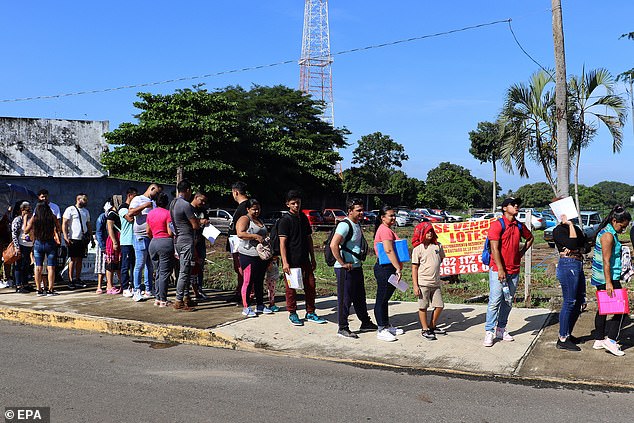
x,y
592,101
528,116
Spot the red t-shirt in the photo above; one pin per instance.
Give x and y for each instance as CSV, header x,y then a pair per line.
x,y
157,220
510,244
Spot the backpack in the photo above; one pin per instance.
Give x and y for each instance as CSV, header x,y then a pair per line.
x,y
274,237
330,257
101,230
486,251
626,264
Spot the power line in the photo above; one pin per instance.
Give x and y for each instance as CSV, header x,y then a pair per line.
x,y
251,68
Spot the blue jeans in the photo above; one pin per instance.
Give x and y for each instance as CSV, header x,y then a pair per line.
x,y
21,267
127,262
45,249
142,264
573,288
384,291
498,309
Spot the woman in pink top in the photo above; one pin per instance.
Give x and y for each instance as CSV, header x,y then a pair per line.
x,y
384,234
161,248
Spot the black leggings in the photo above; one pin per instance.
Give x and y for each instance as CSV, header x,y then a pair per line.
x,y
601,325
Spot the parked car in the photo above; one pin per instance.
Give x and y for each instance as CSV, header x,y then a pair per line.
x,y
549,220
332,216
314,217
402,218
417,217
537,220
368,218
432,217
221,219
483,216
270,218
448,217
590,226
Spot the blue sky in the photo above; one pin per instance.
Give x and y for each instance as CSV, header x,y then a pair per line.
x,y
425,94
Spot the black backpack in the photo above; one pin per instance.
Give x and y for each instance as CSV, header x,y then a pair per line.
x,y
329,256
274,237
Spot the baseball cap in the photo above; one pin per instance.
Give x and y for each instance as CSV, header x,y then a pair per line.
x,y
511,200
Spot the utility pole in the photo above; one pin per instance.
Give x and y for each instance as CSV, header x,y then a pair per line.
x,y
563,169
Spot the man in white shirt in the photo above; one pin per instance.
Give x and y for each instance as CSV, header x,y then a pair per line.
x,y
77,233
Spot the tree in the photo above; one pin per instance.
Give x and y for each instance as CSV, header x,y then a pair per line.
x,y
628,78
592,108
528,115
535,195
615,192
486,143
270,137
456,186
379,155
561,98
408,188
590,198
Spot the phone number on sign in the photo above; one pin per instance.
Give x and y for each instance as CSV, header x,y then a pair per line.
x,y
463,264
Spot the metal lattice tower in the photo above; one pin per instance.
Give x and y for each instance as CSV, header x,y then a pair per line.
x,y
315,70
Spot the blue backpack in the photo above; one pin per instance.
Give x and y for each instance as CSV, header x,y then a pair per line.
x,y
486,251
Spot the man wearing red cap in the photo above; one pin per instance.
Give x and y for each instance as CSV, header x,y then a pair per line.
x,y
504,236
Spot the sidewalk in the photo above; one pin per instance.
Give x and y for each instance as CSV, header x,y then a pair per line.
x,y
218,323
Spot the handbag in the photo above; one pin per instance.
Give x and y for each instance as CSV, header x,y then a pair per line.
x,y
264,250
618,303
11,254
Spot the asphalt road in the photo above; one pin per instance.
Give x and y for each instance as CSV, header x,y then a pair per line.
x,y
87,377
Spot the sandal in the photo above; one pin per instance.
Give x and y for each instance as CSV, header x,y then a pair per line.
x,y
114,291
99,291
167,303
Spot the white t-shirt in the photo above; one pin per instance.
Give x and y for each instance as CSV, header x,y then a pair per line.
x,y
77,229
55,209
140,225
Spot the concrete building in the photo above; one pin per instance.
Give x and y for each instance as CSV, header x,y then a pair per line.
x,y
52,147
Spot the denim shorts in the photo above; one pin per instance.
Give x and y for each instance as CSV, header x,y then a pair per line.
x,y
46,249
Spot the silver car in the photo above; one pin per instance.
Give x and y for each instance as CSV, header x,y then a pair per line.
x,y
221,219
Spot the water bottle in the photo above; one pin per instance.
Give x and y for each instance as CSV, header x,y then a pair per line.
x,y
507,293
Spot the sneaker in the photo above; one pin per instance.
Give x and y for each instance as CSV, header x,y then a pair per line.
x,y
598,344
428,335
147,295
188,300
263,310
345,333
41,293
80,284
613,347
274,308
128,293
567,345
181,306
574,339
294,318
385,335
137,296
395,331
4,284
51,293
502,333
22,290
72,286
488,339
312,317
438,331
368,326
248,312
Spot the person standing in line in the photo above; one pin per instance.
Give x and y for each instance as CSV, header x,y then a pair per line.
x,y
113,250
77,231
297,251
251,231
570,242
606,275
126,240
199,203
101,234
5,240
62,250
46,231
185,224
139,208
161,248
426,260
349,270
43,195
24,244
504,273
384,234
239,194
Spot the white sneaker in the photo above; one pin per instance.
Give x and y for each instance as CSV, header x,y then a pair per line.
x,y
385,335
137,296
395,331
128,293
248,312
488,339
4,284
502,333
598,344
613,347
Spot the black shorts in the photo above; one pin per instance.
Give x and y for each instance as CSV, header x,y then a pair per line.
x,y
77,249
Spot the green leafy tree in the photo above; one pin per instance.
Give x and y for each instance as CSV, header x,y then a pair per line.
x,y
528,115
456,186
270,137
535,195
486,144
615,192
378,156
408,188
590,198
628,78
591,108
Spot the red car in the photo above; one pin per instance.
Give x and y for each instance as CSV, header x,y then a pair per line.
x,y
314,217
332,216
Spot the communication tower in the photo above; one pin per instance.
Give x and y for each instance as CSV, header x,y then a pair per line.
x,y
315,70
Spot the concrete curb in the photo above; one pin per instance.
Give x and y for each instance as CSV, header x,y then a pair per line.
x,y
211,338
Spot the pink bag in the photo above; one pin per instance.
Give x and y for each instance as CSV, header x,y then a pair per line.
x,y
617,304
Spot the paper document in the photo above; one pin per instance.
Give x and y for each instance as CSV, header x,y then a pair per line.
x,y
294,280
400,285
211,233
564,206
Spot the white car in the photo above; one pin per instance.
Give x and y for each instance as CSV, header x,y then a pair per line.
x,y
403,218
484,216
538,222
